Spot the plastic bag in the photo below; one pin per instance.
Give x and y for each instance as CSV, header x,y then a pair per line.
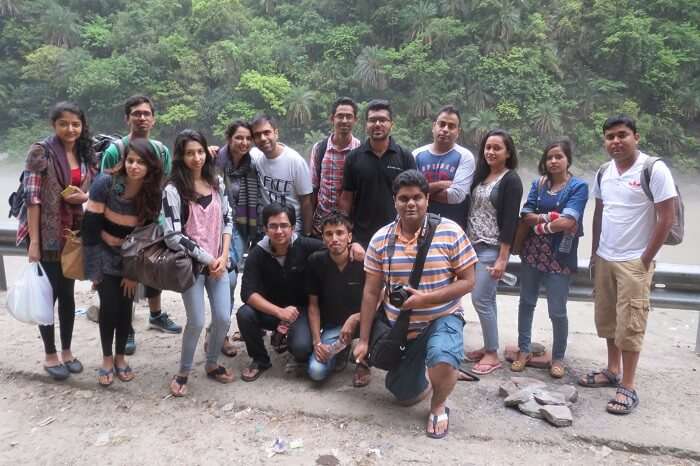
x,y
31,299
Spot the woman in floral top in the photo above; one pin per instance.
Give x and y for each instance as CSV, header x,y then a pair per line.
x,y
554,210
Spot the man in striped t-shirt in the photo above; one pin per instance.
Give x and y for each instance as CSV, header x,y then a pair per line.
x,y
435,338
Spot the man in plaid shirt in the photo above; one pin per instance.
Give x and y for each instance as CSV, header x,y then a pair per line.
x,y
327,168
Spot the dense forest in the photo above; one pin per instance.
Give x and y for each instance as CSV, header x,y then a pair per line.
x,y
541,69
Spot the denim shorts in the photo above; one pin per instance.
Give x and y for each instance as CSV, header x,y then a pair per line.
x,y
441,342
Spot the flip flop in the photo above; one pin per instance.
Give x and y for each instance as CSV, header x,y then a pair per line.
x,y
474,356
489,368
469,376
103,373
435,419
60,372
181,380
256,366
361,380
125,374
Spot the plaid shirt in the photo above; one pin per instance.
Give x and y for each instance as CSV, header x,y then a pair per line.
x,y
331,183
32,196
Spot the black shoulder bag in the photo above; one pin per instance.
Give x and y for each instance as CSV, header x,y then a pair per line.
x,y
387,343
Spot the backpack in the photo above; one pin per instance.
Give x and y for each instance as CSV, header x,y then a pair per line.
x,y
675,235
101,142
16,199
321,147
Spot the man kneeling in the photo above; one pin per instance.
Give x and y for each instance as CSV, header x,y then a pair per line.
x,y
335,286
435,338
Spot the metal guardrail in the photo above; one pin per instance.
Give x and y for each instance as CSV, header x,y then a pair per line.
x,y
674,286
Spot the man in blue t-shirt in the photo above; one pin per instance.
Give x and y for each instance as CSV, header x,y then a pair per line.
x,y
448,167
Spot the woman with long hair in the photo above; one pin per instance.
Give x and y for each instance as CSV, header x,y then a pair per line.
x,y
554,210
242,189
196,208
491,225
57,175
119,202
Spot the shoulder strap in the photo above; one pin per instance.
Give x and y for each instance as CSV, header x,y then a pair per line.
x,y
321,147
645,180
417,271
599,175
121,148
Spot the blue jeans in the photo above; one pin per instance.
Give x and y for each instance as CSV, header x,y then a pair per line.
x,y
441,343
220,303
318,370
484,295
557,286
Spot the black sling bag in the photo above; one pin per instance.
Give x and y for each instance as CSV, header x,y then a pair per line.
x,y
387,343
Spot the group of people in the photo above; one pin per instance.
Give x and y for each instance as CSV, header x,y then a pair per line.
x,y
324,248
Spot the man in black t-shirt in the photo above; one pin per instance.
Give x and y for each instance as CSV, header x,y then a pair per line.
x,y
369,172
334,284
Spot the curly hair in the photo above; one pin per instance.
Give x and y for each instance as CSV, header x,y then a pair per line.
x,y
83,146
148,202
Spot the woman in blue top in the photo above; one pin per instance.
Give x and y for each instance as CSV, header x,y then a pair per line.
x,y
554,210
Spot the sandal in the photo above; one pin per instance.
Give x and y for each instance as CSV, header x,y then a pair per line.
x,y
181,382
557,369
435,419
125,374
258,368
109,373
362,375
613,380
485,368
519,364
221,375
466,376
229,349
623,407
474,356
278,341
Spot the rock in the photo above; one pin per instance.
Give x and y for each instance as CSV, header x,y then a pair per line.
x,y
517,398
523,382
559,416
570,393
603,452
227,407
102,439
506,389
530,408
537,348
327,460
546,397
85,394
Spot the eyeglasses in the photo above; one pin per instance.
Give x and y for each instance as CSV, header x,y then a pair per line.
x,y
278,226
378,121
139,114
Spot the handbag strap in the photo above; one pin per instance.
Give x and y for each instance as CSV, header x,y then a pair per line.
x,y
424,241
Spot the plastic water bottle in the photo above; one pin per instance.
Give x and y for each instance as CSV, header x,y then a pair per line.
x,y
509,279
336,347
566,244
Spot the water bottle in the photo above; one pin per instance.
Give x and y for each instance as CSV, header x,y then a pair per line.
x,y
336,347
509,279
567,241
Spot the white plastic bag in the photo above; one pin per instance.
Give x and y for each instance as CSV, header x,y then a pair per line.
x,y
31,299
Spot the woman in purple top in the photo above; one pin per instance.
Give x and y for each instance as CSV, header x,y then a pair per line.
x,y
554,210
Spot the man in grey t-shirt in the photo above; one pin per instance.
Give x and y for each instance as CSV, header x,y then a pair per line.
x,y
283,173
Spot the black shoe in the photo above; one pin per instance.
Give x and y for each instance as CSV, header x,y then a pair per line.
x,y
163,323
59,372
130,347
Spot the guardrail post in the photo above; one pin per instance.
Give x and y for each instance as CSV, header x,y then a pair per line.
x,y
3,279
697,339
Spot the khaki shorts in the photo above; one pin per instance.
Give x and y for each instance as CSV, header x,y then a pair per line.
x,y
622,292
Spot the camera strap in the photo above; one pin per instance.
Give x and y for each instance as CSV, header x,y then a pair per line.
x,y
424,240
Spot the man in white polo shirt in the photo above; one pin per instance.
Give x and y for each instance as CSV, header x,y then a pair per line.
x,y
628,231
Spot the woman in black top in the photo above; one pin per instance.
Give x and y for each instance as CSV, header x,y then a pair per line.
x,y
129,197
496,192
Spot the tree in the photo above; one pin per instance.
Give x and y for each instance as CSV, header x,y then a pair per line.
x,y
417,16
61,26
9,7
369,68
478,125
300,103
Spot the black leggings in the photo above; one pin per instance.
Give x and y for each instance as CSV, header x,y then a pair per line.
x,y
63,292
115,315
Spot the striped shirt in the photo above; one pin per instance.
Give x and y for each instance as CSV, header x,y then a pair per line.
x,y
330,184
450,253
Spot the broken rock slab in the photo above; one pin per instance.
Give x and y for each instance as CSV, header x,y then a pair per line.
x,y
506,389
559,416
517,398
546,397
531,408
570,393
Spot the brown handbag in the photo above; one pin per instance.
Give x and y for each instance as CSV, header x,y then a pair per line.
x,y
72,256
520,234
147,259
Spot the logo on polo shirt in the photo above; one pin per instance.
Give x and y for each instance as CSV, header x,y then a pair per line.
x,y
635,184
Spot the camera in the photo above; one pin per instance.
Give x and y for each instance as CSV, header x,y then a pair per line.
x,y
398,295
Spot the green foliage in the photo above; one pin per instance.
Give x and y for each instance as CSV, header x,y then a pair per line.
x,y
538,69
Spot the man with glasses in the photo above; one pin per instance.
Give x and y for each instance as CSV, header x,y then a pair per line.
x,y
369,172
140,118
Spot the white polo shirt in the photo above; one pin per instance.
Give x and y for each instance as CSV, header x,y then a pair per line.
x,y
629,216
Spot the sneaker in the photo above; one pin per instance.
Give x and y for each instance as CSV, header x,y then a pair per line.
x,y
130,344
164,324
